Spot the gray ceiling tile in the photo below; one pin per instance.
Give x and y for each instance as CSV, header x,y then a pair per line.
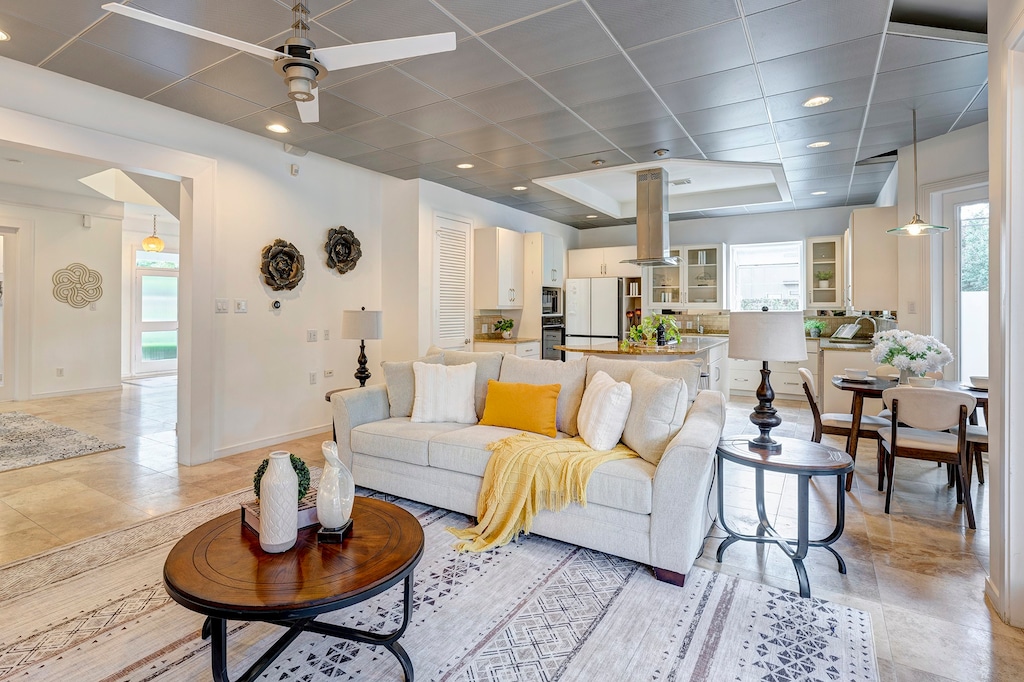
x,y
546,126
484,139
501,179
830,185
365,20
387,92
902,134
428,151
635,23
845,95
875,173
336,112
611,157
247,77
713,90
832,158
951,74
798,147
169,50
603,78
458,183
845,61
727,117
515,156
380,161
735,139
722,212
58,16
484,192
927,106
645,133
507,102
810,24
860,199
818,172
336,146
574,145
509,200
258,122
470,67
764,153
451,166
678,148
972,117
544,169
755,6
820,125
441,118
982,100
41,44
201,100
95,65
717,48
481,16
383,133
234,18
620,111
563,37
902,52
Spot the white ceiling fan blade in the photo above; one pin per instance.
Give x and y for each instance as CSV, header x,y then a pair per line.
x,y
193,31
309,112
358,54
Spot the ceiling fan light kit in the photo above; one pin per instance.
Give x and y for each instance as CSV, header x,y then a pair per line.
x,y
916,227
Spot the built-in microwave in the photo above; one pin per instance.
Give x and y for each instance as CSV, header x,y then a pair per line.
x,y
551,301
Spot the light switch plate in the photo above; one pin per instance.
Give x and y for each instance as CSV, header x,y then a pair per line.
x,y
311,335
327,335
222,305
241,305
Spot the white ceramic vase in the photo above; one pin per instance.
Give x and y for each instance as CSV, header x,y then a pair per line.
x,y
279,504
507,334
337,489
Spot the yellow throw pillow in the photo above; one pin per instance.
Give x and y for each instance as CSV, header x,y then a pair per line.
x,y
530,407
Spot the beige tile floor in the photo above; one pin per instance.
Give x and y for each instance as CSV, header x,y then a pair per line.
x,y
918,571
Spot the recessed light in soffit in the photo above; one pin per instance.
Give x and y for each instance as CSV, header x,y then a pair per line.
x,y
819,193
818,144
464,166
4,36
817,101
277,128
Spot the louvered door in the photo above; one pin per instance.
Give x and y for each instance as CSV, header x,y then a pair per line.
x,y
452,317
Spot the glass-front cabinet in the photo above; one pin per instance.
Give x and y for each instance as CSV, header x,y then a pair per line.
x,y
703,272
825,273
665,290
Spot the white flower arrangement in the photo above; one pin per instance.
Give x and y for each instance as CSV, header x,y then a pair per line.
x,y
915,353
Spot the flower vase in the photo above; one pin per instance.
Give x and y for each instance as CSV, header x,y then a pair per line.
x,y
904,376
337,490
279,504
507,334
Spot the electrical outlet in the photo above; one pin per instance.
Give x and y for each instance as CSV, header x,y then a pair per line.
x,y
311,335
241,305
222,305
60,371
327,335
328,373
689,324
912,307
312,378
92,306
483,328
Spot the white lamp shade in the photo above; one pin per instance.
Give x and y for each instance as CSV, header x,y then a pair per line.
x,y
776,335
361,324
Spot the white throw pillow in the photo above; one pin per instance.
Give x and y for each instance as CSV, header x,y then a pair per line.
x,y
603,411
444,393
655,415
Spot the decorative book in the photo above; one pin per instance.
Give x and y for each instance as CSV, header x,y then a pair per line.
x,y
307,513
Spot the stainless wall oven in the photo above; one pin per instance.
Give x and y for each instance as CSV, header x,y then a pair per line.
x,y
552,335
551,301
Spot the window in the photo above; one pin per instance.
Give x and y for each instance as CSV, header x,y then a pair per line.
x,y
766,275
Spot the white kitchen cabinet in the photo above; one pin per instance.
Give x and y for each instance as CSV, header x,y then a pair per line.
x,y
745,375
663,285
703,276
718,369
825,257
836,362
524,349
497,268
542,267
554,258
871,258
603,262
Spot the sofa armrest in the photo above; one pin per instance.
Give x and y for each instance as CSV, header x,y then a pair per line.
x,y
355,407
682,485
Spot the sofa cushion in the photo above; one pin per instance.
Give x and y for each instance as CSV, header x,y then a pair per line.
x,y
398,438
622,370
528,407
655,415
444,394
399,378
622,484
488,366
571,374
603,411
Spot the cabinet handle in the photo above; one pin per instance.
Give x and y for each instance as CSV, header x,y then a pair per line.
x,y
738,380
718,373
513,294
791,383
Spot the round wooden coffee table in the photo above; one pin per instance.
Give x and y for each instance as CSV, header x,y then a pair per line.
x,y
220,571
804,459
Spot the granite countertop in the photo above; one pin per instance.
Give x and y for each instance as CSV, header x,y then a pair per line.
x,y
521,339
839,344
690,345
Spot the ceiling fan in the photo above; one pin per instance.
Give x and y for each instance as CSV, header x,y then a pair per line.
x,y
299,60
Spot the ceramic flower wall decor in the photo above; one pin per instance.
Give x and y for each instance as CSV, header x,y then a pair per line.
x,y
343,249
282,265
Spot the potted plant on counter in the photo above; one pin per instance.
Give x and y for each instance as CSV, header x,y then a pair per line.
x,y
824,278
647,332
504,325
814,327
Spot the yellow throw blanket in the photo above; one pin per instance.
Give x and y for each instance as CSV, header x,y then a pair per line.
x,y
527,473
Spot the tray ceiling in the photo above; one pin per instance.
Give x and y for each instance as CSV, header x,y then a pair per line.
x,y
540,88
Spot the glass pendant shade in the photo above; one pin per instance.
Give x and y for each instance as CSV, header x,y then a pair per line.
x,y
153,243
916,227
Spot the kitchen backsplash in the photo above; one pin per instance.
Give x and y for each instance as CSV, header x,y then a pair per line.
x,y
717,322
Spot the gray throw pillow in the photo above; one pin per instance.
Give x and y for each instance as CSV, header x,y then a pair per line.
x,y
488,365
622,370
571,374
655,415
401,384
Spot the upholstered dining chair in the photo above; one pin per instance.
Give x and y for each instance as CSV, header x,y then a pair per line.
x,y
920,429
890,372
977,443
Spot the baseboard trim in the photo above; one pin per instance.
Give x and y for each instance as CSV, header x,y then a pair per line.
x,y
80,391
273,440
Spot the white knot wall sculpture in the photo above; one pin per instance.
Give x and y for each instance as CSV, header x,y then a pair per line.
x,y
77,285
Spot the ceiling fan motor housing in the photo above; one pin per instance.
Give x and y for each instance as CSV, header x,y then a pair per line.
x,y
299,69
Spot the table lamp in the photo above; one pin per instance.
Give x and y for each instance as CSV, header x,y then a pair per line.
x,y
361,324
768,336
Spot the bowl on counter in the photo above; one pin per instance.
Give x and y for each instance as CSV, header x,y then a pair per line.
x,y
856,373
979,382
922,382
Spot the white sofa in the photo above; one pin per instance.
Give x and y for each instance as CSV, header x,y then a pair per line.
x,y
657,515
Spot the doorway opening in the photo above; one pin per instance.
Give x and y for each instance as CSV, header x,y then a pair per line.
x,y
155,314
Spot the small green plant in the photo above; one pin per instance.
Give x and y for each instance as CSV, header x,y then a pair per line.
x,y
811,325
824,274
504,324
647,330
301,470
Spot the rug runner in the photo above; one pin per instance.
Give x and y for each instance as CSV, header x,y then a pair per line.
x,y
27,440
536,609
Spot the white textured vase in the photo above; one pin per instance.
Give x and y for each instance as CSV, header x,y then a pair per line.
x,y
904,377
279,504
337,489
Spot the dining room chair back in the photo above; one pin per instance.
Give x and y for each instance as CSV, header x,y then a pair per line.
x,y
920,429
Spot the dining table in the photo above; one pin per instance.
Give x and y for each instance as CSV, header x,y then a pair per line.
x,y
873,386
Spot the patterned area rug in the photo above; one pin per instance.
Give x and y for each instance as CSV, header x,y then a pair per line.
x,y
534,610
26,440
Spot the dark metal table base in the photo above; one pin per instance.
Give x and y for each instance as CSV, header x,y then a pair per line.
x,y
216,630
802,542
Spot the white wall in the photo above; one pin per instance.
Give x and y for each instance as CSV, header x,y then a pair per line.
x,y
887,196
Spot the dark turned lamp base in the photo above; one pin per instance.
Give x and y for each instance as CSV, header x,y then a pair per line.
x,y
764,416
362,374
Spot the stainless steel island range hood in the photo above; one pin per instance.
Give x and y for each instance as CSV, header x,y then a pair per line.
x,y
652,238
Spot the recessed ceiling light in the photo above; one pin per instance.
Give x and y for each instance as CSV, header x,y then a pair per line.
x,y
4,36
464,165
598,162
818,193
277,128
820,143
661,152
520,188
591,216
818,101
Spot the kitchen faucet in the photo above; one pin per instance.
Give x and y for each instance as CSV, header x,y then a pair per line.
x,y
871,320
700,327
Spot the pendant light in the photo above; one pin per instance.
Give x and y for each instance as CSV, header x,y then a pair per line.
x,y
916,226
153,243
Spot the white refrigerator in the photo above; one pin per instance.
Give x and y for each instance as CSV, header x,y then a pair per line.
x,y
593,310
